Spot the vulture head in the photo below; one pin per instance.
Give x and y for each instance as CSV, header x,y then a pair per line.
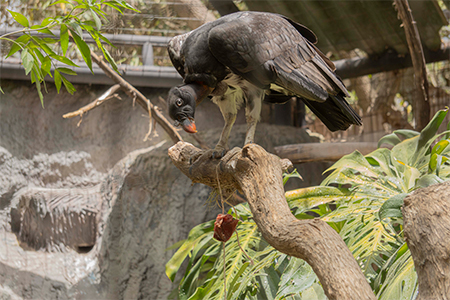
x,y
182,101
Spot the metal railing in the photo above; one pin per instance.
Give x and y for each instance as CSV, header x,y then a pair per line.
x,y
146,75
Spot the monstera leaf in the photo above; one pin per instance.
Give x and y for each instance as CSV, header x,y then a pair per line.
x,y
361,199
372,190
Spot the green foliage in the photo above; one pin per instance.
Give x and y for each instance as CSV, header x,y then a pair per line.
x,y
361,199
39,53
270,274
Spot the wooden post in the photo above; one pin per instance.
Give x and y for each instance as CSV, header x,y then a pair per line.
x,y
422,111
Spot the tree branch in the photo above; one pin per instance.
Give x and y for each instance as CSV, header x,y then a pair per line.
x,y
426,214
422,113
258,175
106,96
140,99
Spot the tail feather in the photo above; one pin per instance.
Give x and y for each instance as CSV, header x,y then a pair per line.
x,y
335,112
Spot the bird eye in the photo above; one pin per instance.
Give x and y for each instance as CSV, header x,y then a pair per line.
x,y
179,102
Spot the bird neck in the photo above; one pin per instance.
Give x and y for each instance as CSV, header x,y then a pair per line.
x,y
199,90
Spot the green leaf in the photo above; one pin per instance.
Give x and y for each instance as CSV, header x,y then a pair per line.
x,y
406,133
75,27
69,87
20,42
36,79
390,139
42,29
307,198
382,158
61,1
315,292
447,136
120,4
189,284
392,208
355,162
98,23
27,61
294,174
236,277
410,176
21,19
440,147
57,77
48,50
64,38
296,278
38,54
110,59
46,65
66,71
84,49
47,21
400,278
1,90
428,180
199,294
369,241
428,134
196,234
64,60
269,284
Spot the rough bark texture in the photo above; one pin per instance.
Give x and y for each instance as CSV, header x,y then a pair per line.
x,y
426,213
258,175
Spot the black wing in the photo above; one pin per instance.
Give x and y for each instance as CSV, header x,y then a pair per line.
x,y
174,49
266,48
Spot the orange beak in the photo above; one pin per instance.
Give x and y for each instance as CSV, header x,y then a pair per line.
x,y
189,125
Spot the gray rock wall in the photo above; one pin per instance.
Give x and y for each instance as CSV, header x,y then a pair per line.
x,y
142,203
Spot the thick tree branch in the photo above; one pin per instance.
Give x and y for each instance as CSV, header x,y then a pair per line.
x,y
422,113
258,175
426,214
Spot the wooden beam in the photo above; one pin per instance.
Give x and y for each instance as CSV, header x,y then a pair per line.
x,y
387,61
309,152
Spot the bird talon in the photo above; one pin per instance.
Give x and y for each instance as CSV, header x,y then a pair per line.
x,y
218,154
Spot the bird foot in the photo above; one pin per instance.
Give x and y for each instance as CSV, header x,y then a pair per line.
x,y
218,152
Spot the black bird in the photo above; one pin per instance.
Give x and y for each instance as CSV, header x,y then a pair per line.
x,y
238,57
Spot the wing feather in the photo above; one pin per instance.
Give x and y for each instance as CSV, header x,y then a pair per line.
x,y
271,42
174,48
267,49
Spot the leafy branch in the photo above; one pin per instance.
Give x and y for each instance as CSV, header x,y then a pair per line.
x,y
41,48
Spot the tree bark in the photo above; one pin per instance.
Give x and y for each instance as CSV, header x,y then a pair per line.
x,y
426,214
258,175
